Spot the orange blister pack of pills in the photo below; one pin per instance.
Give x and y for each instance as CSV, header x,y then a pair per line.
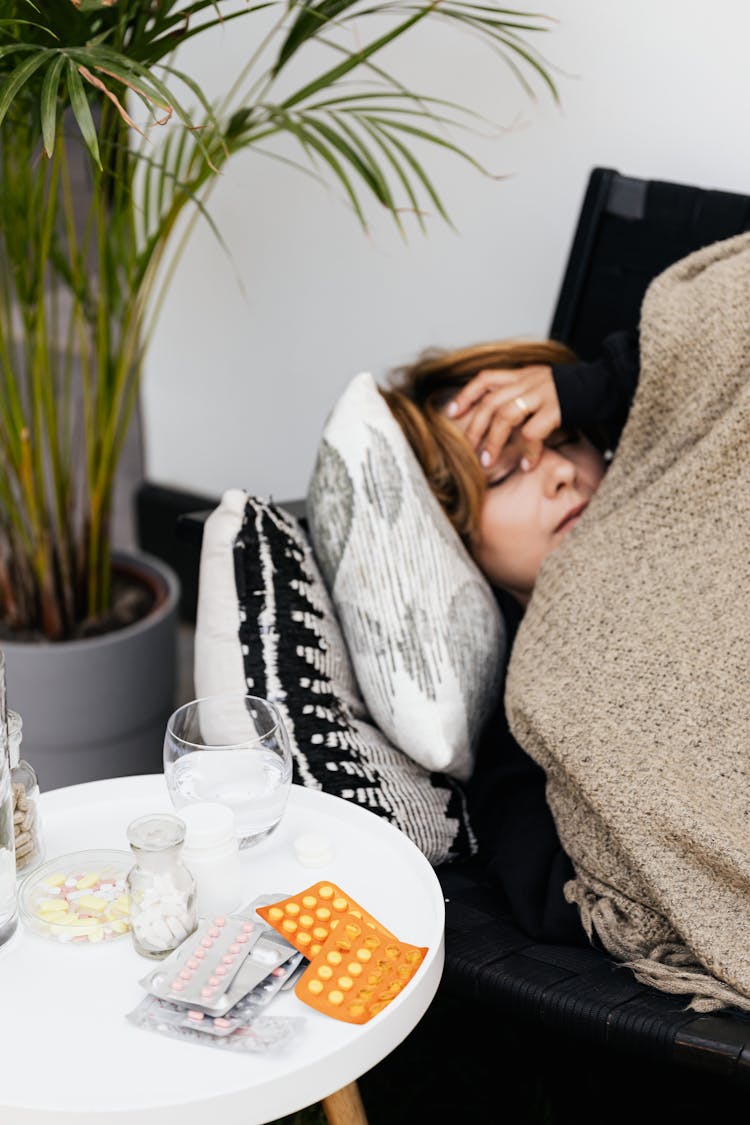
x,y
357,966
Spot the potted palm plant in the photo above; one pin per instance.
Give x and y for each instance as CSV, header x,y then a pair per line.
x,y
80,276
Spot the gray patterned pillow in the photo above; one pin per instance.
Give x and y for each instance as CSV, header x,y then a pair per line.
x,y
421,623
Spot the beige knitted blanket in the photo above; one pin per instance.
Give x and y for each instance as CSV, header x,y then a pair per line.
x,y
630,676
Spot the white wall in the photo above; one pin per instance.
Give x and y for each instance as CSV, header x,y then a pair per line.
x,y
237,385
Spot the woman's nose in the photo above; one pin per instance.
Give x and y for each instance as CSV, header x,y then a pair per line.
x,y
559,471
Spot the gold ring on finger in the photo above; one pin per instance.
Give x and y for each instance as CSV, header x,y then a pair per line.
x,y
522,405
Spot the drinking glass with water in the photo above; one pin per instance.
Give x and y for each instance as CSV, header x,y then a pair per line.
x,y
233,749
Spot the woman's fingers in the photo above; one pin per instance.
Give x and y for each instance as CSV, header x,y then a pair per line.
x,y
478,386
535,432
495,419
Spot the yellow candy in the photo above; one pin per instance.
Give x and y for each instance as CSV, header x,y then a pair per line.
x,y
78,921
97,934
55,880
120,927
121,905
87,881
93,903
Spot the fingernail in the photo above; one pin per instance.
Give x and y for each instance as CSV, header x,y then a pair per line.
x,y
525,464
452,409
485,458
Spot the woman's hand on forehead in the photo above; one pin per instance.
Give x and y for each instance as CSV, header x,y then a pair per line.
x,y
500,404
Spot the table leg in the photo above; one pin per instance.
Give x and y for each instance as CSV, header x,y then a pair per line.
x,y
345,1107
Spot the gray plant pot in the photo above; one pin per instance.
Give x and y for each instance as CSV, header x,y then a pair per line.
x,y
98,707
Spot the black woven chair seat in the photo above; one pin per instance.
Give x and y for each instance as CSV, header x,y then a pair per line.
x,y
575,991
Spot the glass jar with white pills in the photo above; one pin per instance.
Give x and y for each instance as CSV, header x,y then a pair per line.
x,y
27,827
162,889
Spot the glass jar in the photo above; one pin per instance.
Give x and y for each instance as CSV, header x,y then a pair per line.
x,y
27,826
8,899
162,890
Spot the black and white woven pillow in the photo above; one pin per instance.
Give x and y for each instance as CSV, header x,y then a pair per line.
x,y
266,624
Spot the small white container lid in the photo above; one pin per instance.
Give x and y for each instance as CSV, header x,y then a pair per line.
x,y
208,823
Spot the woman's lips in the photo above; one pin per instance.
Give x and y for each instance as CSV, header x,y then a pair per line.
x,y
572,515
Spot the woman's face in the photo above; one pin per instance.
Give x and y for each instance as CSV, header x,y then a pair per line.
x,y
525,515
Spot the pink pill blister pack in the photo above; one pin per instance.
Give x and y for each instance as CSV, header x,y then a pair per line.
x,y
232,1017
245,1011
201,971
261,1034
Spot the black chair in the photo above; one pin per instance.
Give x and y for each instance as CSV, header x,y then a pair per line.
x,y
542,1033
563,1032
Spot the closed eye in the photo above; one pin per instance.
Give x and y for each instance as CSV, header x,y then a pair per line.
x,y
502,479
562,439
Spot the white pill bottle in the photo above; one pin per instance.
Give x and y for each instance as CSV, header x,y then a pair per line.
x,y
211,852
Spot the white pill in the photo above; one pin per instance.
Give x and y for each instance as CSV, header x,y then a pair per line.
x,y
313,850
177,927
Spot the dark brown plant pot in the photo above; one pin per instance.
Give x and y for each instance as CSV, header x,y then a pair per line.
x,y
97,707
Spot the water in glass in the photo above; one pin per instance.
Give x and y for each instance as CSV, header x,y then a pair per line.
x,y
233,750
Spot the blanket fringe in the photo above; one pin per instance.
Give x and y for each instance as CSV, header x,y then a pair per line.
x,y
670,967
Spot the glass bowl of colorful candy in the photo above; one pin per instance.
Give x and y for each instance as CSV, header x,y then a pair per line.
x,y
80,898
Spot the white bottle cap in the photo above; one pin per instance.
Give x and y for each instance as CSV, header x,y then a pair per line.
x,y
208,824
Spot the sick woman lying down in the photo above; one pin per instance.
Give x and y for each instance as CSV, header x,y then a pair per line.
x,y
512,438
613,796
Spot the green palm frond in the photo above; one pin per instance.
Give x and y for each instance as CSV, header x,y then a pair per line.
x,y
94,73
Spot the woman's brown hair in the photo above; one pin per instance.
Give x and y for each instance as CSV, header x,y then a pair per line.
x,y
417,396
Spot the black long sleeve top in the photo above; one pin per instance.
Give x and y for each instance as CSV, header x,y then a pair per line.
x,y
516,832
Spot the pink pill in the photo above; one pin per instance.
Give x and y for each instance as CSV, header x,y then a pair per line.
x,y
213,980
234,947
186,973
228,959
213,932
220,971
221,1022
192,963
177,986
277,972
193,1015
207,942
241,938
206,991
248,928
219,920
200,953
